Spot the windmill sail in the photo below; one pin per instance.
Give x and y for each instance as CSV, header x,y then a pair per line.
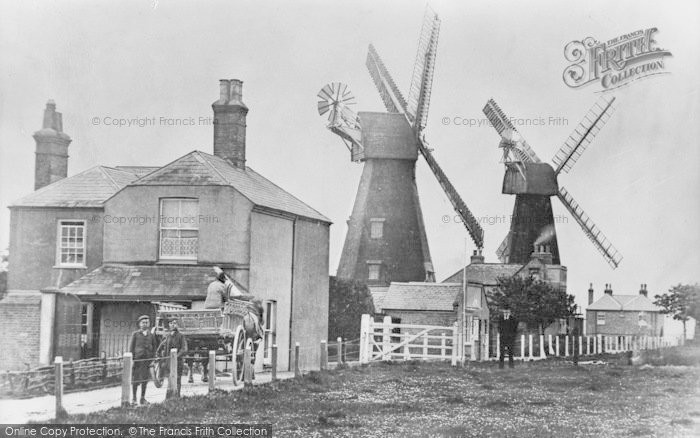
x,y
612,256
584,133
422,79
502,123
470,223
388,91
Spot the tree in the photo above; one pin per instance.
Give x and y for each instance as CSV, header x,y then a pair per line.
x,y
348,299
683,302
532,301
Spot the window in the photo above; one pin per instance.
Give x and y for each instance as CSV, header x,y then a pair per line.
x,y
71,244
270,330
374,270
600,318
179,230
642,319
376,228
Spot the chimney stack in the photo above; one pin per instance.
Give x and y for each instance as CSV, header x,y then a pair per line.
x,y
643,289
590,294
542,252
51,161
477,257
608,289
230,122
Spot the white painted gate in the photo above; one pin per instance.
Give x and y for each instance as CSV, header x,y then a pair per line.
x,y
389,341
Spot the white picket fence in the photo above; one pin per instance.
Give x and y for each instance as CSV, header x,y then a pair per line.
x,y
381,341
533,347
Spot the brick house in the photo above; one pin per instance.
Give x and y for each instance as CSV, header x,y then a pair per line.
x,y
93,251
614,314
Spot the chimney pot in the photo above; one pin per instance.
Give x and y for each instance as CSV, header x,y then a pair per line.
x,y
51,158
224,91
236,90
590,294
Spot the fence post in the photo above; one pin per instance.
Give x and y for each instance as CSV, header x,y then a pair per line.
x,y
425,346
580,345
297,370
71,374
103,358
406,352
274,362
551,347
599,344
386,339
522,347
58,390
172,376
340,350
542,353
442,346
498,345
455,342
212,370
126,379
566,346
247,368
364,339
324,356
556,345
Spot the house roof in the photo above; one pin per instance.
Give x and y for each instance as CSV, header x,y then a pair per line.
x,y
422,296
484,273
632,303
120,282
378,294
89,188
199,168
138,170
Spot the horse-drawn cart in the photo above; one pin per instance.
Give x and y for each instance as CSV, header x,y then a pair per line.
x,y
219,330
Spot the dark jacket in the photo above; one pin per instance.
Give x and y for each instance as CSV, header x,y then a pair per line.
x,y
508,329
176,340
143,347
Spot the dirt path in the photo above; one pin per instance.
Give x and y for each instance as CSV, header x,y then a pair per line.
x,y
43,408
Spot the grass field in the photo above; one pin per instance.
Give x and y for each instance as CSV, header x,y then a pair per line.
x,y
538,399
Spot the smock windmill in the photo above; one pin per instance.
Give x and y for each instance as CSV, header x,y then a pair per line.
x,y
386,239
533,183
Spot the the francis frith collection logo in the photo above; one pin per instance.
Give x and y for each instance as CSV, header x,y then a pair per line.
x,y
616,62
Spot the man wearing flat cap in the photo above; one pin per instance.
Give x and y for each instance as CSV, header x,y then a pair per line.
x,y
143,349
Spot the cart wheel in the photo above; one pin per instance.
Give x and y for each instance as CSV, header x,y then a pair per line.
x,y
157,369
238,348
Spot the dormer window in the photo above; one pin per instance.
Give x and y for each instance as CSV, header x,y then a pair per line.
x,y
179,229
376,228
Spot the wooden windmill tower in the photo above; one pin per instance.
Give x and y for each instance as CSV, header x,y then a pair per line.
x,y
533,183
386,239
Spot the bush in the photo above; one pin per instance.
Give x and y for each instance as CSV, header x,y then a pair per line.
x,y
348,299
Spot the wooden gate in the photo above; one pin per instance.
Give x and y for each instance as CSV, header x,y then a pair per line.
x,y
389,341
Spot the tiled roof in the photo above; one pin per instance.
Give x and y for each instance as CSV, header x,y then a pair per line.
x,y
199,168
89,188
117,282
422,296
378,294
138,170
632,303
484,273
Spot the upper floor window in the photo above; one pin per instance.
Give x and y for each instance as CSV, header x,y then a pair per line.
x,y
179,229
600,318
374,270
71,244
376,228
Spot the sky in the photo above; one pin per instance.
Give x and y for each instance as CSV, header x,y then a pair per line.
x,y
638,180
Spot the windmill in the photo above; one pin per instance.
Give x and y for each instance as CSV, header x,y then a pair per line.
x,y
533,183
386,239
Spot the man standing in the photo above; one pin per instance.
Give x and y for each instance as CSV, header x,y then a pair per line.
x,y
176,340
143,350
508,330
